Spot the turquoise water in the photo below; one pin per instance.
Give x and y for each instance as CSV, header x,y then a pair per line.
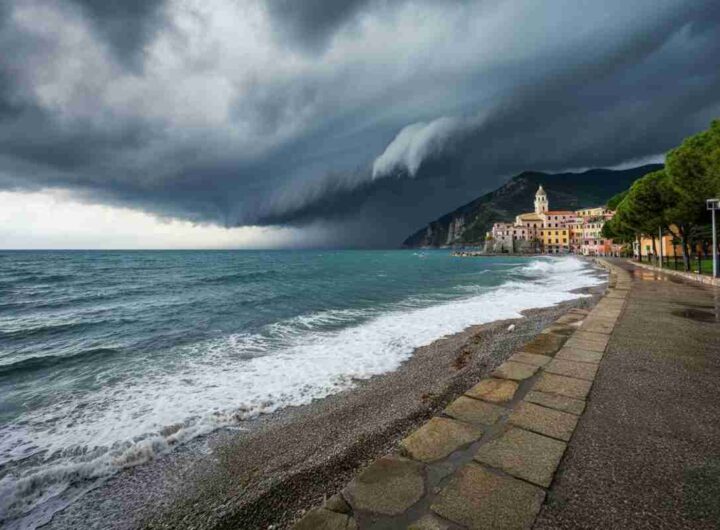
x,y
108,359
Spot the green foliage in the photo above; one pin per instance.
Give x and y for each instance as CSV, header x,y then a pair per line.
x,y
694,170
672,199
644,208
615,200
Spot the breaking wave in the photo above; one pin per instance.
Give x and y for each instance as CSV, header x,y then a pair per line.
x,y
73,444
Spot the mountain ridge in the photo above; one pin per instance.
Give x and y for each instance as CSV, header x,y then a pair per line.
x,y
468,224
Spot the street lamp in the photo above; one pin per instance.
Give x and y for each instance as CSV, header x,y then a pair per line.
x,y
714,205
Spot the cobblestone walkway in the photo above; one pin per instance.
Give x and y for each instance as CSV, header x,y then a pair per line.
x,y
488,460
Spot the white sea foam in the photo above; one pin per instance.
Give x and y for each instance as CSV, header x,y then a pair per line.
x,y
243,375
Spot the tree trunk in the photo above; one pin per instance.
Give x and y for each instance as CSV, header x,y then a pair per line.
x,y
654,248
681,234
685,250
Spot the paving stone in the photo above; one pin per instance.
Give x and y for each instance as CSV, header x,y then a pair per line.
x,y
560,329
474,411
523,454
545,344
609,304
565,386
572,369
586,344
579,311
570,318
389,486
555,401
603,315
336,503
578,355
321,519
493,390
591,336
610,315
515,371
530,358
429,522
622,294
597,325
543,420
438,438
479,499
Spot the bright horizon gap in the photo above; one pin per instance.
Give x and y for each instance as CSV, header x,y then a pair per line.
x,y
56,220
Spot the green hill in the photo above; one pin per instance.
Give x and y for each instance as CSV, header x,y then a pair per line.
x,y
566,191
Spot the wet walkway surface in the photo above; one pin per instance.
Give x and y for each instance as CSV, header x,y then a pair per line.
x,y
607,419
646,452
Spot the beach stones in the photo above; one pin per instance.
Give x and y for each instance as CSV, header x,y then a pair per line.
x,y
438,438
388,486
477,498
493,390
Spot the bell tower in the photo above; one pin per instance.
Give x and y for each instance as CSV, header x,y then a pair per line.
x,y
541,201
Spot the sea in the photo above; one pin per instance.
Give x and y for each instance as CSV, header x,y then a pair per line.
x,y
111,359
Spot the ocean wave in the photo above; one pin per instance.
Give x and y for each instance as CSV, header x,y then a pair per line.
x,y
36,278
238,276
236,377
52,329
48,361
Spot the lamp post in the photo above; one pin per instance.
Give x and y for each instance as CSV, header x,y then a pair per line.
x,y
714,205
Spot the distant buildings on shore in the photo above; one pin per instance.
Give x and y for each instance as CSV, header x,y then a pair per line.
x,y
553,231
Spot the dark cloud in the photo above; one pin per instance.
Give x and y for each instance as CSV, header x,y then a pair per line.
x,y
297,143
126,25
312,22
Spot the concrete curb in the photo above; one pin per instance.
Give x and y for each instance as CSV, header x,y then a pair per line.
x,y
488,460
700,278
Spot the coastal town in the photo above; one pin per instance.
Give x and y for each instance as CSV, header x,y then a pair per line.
x,y
553,231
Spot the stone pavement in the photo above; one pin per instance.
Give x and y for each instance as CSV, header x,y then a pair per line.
x,y
646,453
488,460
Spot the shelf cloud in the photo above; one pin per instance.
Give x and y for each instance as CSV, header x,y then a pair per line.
x,y
356,119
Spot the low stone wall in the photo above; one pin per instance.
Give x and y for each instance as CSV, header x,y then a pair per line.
x,y
488,460
701,278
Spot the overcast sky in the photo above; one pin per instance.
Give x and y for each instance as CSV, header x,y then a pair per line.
x,y
227,123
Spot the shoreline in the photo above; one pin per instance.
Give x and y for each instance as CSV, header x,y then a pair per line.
x,y
286,462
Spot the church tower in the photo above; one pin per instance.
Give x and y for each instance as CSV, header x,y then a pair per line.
x,y
541,201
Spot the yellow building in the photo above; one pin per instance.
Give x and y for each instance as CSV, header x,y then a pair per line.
x,y
556,240
592,212
668,249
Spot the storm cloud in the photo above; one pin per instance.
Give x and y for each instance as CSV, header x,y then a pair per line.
x,y
367,118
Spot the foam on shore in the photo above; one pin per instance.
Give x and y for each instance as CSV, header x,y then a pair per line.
x,y
241,376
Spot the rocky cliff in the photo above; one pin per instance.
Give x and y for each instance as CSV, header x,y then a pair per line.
x,y
566,191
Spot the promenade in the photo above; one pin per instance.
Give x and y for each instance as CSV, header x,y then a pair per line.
x,y
605,420
646,453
